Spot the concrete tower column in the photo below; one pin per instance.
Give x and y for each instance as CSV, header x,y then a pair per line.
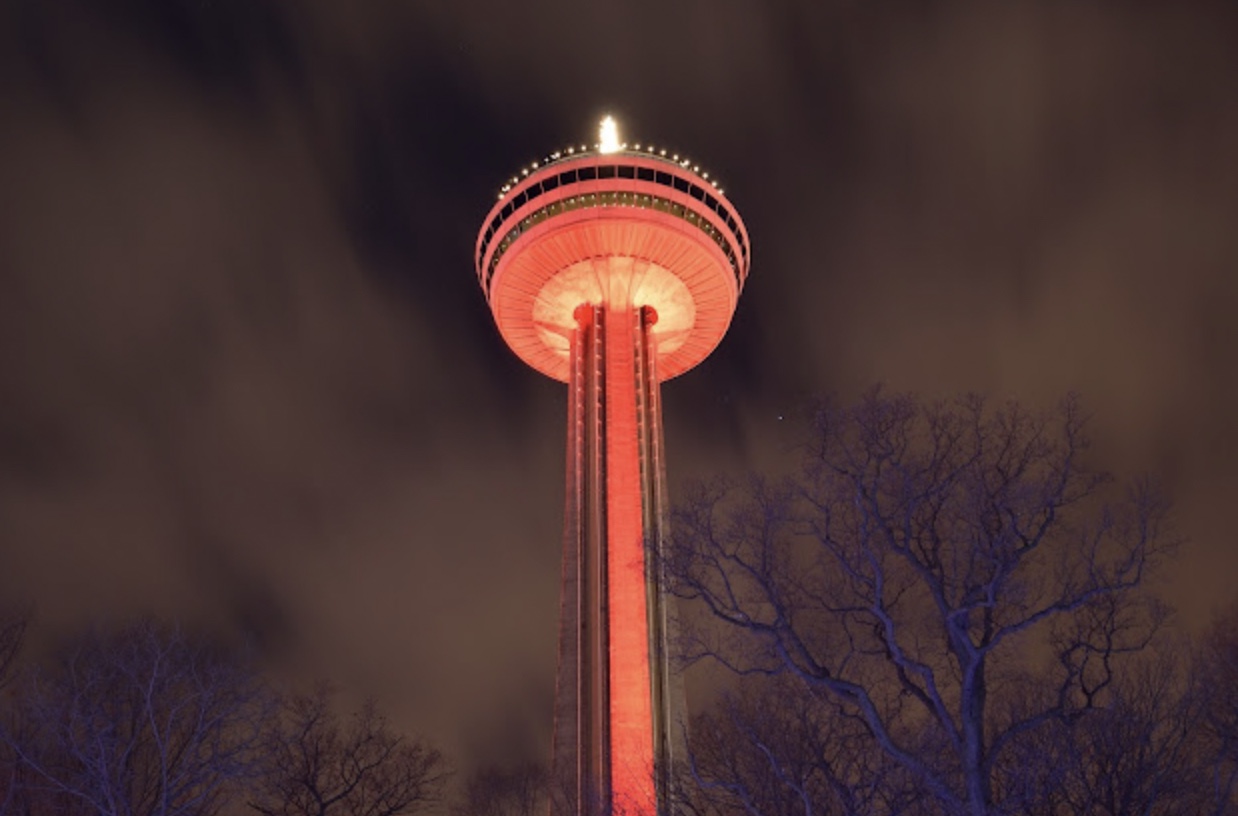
x,y
617,709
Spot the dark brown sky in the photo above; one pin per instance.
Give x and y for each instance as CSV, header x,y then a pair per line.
x,y
246,376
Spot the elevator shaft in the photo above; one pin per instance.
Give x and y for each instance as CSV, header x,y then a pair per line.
x,y
618,706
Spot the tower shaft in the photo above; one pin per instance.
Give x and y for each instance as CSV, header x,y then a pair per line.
x,y
617,703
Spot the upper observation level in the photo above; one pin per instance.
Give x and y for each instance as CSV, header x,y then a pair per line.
x,y
616,225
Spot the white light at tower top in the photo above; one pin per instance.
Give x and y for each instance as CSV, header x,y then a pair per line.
x,y
608,136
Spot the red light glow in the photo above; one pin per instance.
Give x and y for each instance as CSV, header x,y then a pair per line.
x,y
549,251
571,258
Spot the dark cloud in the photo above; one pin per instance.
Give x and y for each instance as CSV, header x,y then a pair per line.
x,y
248,378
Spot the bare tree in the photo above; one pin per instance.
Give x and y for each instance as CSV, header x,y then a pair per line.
x,y
12,636
1216,681
777,748
519,790
13,625
321,766
1136,754
913,568
143,722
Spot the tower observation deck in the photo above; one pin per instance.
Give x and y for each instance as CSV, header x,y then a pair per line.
x,y
612,268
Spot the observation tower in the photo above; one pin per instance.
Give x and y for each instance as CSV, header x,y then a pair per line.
x,y
612,268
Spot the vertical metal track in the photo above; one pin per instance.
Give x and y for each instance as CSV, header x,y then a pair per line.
x,y
580,762
594,791
565,769
666,685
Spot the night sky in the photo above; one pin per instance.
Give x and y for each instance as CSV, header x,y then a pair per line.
x,y
247,377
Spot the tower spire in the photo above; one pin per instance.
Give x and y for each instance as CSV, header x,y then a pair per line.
x,y
608,136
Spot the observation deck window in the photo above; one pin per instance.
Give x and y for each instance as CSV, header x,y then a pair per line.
x,y
681,184
663,178
644,173
588,173
606,172
550,183
696,192
627,171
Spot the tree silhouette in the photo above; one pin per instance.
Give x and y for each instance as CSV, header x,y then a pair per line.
x,y
777,748
914,570
1216,681
12,635
520,790
322,764
142,722
13,625
1136,753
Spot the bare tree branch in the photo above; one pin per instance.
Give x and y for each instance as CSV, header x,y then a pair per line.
x,y
920,553
321,764
142,722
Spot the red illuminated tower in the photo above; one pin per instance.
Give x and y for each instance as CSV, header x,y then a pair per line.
x,y
613,268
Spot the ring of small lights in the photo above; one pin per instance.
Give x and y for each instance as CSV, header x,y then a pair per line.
x,y
621,187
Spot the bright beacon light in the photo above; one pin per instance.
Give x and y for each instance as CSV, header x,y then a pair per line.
x,y
608,136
